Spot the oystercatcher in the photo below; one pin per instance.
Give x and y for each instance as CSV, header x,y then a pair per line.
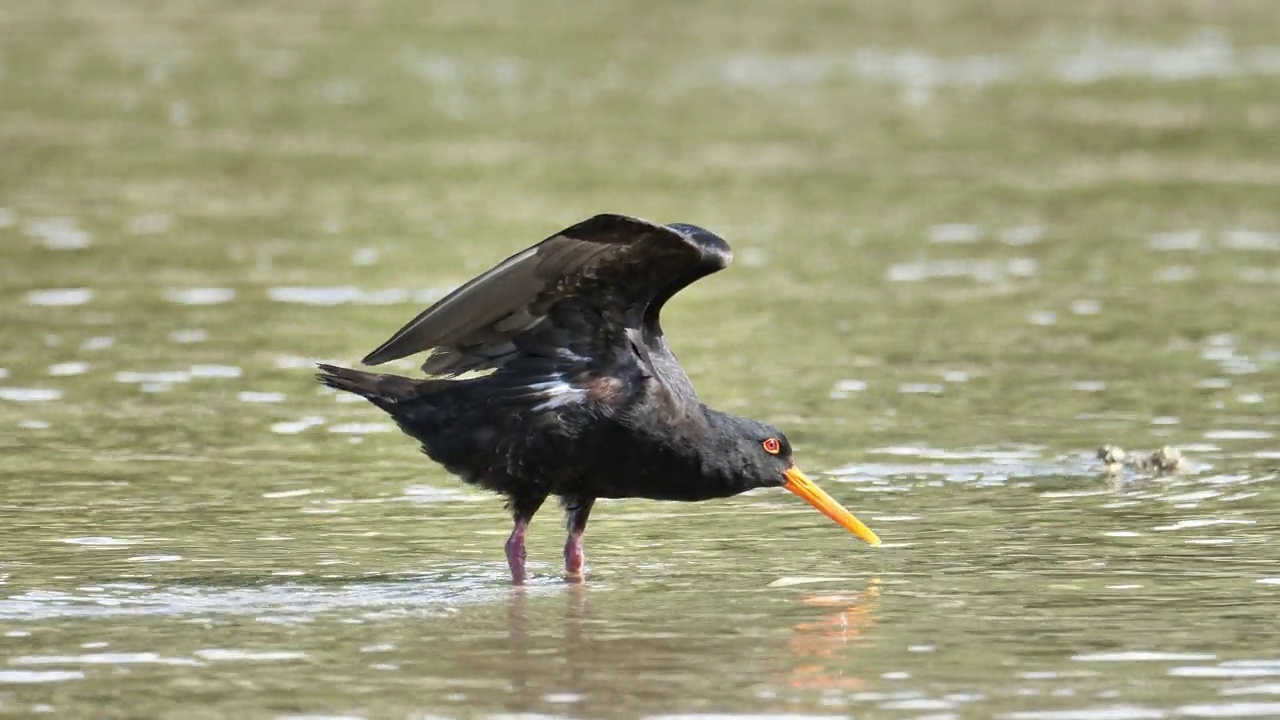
x,y
550,375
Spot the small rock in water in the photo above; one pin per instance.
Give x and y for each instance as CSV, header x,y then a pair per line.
x,y
1167,459
1113,457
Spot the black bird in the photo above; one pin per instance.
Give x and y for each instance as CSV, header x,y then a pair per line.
x,y
550,375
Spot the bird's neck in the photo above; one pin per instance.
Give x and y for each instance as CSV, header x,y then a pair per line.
x,y
687,458
717,453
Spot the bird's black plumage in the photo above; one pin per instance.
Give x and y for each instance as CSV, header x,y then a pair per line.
x,y
572,389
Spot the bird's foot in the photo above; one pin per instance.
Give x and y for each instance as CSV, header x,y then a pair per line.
x,y
575,559
516,553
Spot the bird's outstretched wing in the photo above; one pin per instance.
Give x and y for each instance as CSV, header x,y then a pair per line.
x,y
601,279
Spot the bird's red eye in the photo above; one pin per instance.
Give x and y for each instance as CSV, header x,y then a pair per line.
x,y
772,446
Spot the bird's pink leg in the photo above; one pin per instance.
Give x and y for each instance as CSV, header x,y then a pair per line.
x,y
516,553
574,558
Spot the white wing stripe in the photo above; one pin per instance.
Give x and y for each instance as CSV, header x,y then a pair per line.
x,y
556,393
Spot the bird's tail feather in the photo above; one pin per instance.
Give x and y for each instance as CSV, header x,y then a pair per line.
x,y
381,389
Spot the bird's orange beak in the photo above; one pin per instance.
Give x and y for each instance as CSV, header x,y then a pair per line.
x,y
812,494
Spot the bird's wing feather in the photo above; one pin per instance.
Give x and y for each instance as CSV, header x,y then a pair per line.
x,y
559,300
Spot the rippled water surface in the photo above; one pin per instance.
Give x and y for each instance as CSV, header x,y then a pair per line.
x,y
974,243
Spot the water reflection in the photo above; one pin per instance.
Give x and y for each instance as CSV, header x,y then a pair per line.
x,y
820,648
576,648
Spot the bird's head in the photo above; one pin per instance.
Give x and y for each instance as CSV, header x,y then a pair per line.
x,y
763,459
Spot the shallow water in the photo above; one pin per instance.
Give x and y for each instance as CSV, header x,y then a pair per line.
x,y
971,248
